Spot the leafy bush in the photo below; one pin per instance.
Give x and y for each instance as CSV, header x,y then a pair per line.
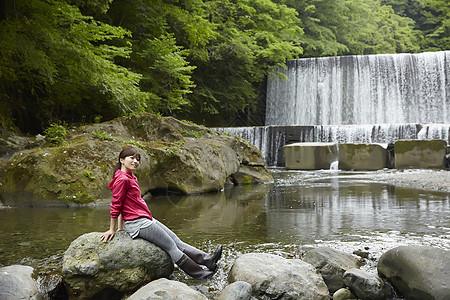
x,y
57,134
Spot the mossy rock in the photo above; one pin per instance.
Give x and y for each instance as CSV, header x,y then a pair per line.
x,y
175,156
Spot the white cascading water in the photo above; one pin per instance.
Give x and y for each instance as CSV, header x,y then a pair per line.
x,y
355,99
363,89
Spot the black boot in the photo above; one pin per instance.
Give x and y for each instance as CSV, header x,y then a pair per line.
x,y
193,269
200,257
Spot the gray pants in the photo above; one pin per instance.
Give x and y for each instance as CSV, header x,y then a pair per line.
x,y
163,237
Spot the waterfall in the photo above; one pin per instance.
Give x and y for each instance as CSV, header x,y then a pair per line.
x,y
362,89
354,99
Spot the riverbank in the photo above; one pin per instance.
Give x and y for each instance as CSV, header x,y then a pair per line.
x,y
429,180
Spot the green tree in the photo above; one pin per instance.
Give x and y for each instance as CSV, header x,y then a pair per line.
x,y
342,27
57,64
163,35
251,39
432,20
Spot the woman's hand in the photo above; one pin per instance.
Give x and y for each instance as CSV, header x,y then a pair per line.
x,y
107,236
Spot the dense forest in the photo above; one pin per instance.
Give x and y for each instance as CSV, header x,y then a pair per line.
x,y
207,61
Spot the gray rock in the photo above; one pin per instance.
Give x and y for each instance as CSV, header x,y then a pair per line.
x,y
251,175
175,156
238,290
367,285
332,264
417,272
164,289
91,267
16,283
343,294
275,277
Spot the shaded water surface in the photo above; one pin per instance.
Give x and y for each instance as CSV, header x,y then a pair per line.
x,y
343,210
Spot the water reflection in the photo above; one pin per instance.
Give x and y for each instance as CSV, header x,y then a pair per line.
x,y
343,210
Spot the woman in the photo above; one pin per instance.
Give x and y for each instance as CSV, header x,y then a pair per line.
x,y
128,204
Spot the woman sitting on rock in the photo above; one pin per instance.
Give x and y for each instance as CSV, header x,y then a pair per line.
x,y
128,203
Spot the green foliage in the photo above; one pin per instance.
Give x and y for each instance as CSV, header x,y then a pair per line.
x,y
57,134
101,135
88,174
203,60
190,133
432,21
173,151
340,27
57,64
252,38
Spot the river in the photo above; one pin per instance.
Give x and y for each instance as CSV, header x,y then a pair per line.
x,y
303,209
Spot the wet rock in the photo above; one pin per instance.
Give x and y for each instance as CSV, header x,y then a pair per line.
x,y
366,285
362,254
310,156
332,264
164,289
417,272
275,277
251,175
343,294
92,268
16,283
238,290
52,285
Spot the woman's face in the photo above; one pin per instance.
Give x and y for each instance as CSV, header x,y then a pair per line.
x,y
129,163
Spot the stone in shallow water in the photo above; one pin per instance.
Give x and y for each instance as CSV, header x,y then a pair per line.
x,y
275,277
16,283
367,285
331,264
91,267
237,290
417,272
164,289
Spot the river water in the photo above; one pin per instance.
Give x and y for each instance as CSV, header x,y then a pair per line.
x,y
303,209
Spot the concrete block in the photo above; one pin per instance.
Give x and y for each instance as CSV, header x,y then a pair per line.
x,y
420,154
363,156
310,156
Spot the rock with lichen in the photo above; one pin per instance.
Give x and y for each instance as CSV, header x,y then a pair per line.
x,y
92,269
175,157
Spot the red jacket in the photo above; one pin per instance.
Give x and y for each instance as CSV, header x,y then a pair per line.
x,y
126,197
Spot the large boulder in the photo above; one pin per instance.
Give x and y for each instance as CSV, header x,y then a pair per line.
x,y
92,268
332,264
417,272
176,157
164,289
310,156
16,283
420,154
275,277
